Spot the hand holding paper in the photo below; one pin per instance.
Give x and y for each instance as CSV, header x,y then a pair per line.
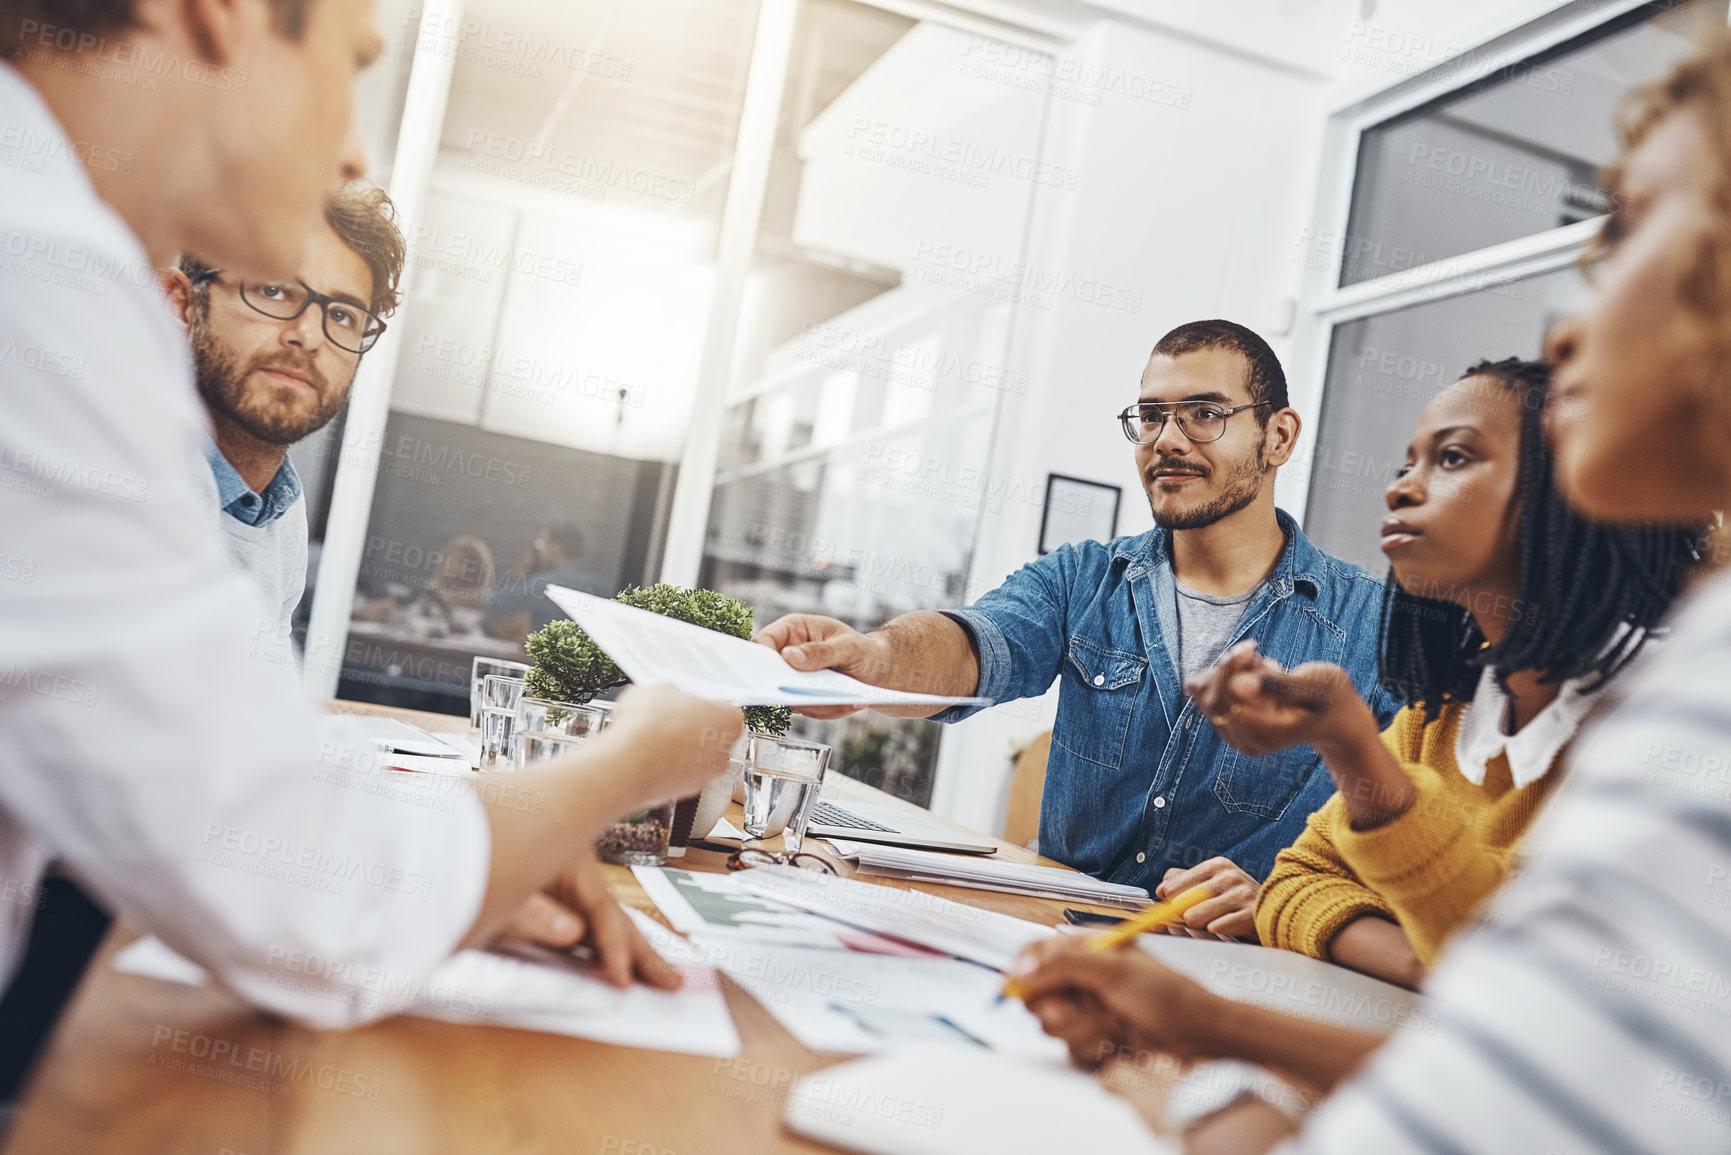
x,y
651,648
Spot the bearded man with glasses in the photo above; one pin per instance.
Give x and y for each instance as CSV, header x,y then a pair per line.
x,y
274,362
1139,787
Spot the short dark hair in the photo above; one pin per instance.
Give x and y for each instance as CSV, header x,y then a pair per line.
x,y
364,217
1590,594
107,17
1267,380
567,537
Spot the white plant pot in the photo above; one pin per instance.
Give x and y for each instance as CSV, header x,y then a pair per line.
x,y
712,802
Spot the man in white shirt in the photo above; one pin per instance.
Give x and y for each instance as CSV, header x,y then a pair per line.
x,y
274,363
188,785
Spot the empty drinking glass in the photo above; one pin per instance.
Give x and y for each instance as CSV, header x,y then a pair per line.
x,y
781,788
482,668
500,697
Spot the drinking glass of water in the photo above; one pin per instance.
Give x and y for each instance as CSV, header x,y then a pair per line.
x,y
781,788
482,668
542,719
500,697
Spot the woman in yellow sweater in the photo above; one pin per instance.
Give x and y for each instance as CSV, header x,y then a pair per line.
x,y
1504,613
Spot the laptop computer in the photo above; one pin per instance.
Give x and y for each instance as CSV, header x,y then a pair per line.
x,y
863,822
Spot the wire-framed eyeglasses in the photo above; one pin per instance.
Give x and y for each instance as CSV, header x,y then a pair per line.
x,y
347,326
748,856
1198,420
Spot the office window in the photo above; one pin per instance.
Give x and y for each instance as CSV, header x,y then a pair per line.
x,y
379,99
1383,370
872,351
1514,154
563,268
1435,190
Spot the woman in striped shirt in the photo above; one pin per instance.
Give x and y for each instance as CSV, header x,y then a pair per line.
x,y
1590,1008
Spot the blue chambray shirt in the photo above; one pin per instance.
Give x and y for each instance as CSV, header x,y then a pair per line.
x,y
1138,781
237,498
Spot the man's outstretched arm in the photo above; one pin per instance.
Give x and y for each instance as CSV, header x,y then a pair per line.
x,y
922,652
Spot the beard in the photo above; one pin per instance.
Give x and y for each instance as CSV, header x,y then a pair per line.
x,y
1242,487
221,381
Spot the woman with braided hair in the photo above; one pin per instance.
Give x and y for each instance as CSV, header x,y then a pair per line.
x,y
1505,611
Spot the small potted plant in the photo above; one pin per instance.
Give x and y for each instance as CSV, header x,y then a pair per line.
x,y
570,667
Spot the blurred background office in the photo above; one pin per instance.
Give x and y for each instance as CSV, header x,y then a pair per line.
x,y
829,304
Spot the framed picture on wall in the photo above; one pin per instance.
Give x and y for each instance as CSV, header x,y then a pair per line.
x,y
1077,510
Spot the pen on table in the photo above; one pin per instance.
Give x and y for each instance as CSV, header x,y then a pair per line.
x,y
1159,915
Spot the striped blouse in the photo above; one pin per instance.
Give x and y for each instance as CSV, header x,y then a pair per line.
x,y
1590,1009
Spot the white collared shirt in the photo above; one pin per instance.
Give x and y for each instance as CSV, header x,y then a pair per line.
x,y
146,738
1533,748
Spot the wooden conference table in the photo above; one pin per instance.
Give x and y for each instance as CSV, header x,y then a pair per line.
x,y
413,1085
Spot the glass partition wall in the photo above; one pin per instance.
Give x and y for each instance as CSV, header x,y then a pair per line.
x,y
567,269
871,355
562,268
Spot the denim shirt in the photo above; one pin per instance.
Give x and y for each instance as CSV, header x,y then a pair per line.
x,y
240,502
1138,781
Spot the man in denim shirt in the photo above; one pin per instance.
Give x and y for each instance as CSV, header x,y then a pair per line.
x,y
1139,787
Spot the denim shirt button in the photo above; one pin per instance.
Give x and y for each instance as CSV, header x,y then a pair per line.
x,y
1160,802
1141,857
1099,679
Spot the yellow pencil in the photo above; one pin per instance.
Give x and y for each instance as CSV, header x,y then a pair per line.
x,y
1159,915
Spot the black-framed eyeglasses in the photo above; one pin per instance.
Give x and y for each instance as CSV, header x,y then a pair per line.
x,y
748,856
347,326
1197,420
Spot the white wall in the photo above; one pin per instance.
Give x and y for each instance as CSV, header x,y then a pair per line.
x,y
1195,207
1401,38
1200,209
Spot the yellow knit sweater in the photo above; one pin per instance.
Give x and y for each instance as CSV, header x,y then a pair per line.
x,y
1428,870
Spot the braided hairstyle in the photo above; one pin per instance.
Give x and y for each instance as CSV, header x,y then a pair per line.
x,y
1590,594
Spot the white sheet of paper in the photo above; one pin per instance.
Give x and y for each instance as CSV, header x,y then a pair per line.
x,y
651,648
954,928
726,829
1294,984
845,1003
707,904
490,989
966,1102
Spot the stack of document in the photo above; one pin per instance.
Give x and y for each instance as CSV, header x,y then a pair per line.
x,y
989,874
710,907
952,928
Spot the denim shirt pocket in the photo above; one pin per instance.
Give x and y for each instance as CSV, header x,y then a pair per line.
x,y
1265,785
1096,701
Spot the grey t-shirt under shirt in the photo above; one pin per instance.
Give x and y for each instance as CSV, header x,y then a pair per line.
x,y
1205,625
